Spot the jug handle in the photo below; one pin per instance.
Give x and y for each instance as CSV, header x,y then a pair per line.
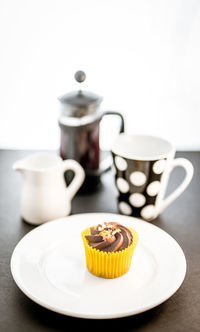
x,y
121,130
78,179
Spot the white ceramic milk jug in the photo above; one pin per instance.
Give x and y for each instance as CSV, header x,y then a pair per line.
x,y
44,194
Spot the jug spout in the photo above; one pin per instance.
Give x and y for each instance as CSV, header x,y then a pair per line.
x,y
19,166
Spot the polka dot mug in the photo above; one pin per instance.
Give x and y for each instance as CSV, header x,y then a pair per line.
x,y
143,165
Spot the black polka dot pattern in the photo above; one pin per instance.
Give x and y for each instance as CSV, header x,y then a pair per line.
x,y
138,183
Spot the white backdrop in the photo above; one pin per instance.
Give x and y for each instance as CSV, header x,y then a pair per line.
x,y
143,56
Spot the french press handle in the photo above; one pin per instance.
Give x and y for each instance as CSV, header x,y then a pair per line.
x,y
106,164
121,130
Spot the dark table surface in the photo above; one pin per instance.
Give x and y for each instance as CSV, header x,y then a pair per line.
x,y
181,220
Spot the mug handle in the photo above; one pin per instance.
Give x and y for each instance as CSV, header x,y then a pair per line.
x,y
79,176
121,130
187,165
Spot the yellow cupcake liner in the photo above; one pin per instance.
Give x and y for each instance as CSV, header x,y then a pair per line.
x,y
108,264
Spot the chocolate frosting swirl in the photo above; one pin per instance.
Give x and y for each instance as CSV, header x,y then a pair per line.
x,y
109,237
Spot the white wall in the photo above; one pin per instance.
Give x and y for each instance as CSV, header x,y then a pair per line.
x,y
142,56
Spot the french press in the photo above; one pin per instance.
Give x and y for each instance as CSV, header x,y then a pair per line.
x,y
79,123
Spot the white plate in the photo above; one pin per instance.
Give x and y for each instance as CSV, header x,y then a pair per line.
x,y
48,265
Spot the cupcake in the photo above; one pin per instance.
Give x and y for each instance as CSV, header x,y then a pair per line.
x,y
109,249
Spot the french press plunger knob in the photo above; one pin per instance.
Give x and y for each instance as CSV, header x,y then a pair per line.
x,y
80,76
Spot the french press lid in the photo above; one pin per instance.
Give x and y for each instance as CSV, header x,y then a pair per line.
x,y
80,103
